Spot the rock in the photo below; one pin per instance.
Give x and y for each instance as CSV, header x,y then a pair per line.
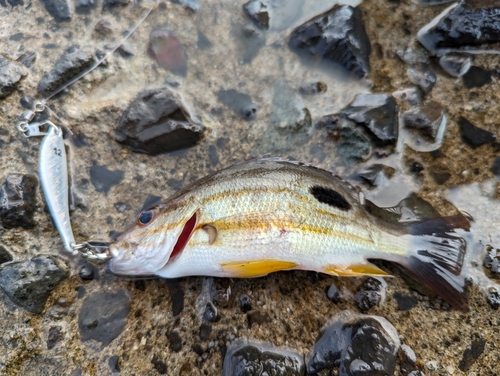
x,y
370,293
205,330
250,41
313,88
18,201
422,76
103,27
411,96
472,353
11,74
55,335
85,6
427,119
251,357
176,296
405,302
168,52
210,314
472,135
193,5
103,179
408,362
495,168
159,365
476,77
377,112
376,174
109,4
338,36
27,59
86,272
59,9
71,63
336,295
353,147
157,122
245,303
203,42
103,316
440,174
464,26
411,57
29,283
240,103
256,317
493,298
5,255
175,340
258,12
289,114
455,65
492,260
113,363
358,344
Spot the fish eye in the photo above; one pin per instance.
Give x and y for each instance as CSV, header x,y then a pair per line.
x,y
147,216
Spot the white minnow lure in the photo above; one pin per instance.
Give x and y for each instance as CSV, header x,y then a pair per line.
x,y
267,215
53,173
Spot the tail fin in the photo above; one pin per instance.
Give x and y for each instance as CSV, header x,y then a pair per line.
x,y
438,256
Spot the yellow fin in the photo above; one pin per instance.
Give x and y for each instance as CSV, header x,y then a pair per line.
x,y
255,268
355,270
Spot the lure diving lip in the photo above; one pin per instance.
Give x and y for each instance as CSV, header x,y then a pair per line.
x,y
266,215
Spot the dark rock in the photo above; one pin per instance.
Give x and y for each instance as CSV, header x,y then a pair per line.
x,y
29,283
11,74
411,96
210,314
159,365
103,316
245,303
337,35
27,59
113,363
408,362
103,27
18,201
464,26
198,349
411,57
193,5
427,119
55,335
86,272
376,174
358,344
240,103
203,42
177,296
455,65
476,77
353,147
71,63
258,12
59,9
157,122
472,135
5,255
27,102
205,330
492,260
440,174
213,155
313,88
370,293
16,37
260,358
495,168
256,317
175,340
103,179
493,298
168,52
334,294
422,76
125,50
472,353
85,6
378,112
405,302
109,4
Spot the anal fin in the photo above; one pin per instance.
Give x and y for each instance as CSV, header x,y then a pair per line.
x,y
355,270
255,268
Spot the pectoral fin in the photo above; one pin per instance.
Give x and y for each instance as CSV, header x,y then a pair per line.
x,y
255,268
356,270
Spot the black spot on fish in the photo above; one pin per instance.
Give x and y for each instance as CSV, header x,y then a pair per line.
x,y
330,197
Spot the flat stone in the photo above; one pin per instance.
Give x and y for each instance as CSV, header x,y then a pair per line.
x,y
103,316
472,353
85,6
18,201
422,76
455,65
338,36
11,74
71,63
59,9
427,119
109,4
29,283
473,135
476,77
103,179
405,302
251,357
157,122
240,103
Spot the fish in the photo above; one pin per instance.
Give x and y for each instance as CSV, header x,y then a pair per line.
x,y
267,215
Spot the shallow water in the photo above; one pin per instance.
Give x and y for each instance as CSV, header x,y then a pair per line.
x,y
230,66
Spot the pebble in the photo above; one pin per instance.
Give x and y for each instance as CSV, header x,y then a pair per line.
x,y
29,283
258,12
473,135
5,255
411,96
422,76
11,75
337,35
256,317
104,179
313,88
495,167
61,10
432,365
240,103
245,303
405,302
157,122
493,298
193,5
472,353
168,52
426,118
370,293
55,335
354,147
476,77
455,65
376,174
